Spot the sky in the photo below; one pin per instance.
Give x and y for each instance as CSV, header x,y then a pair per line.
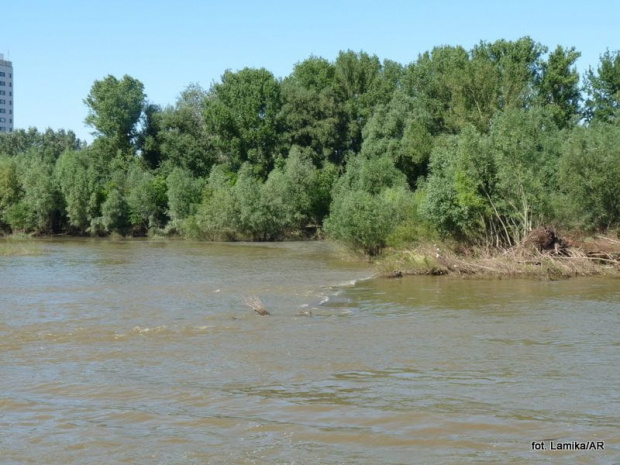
x,y
60,47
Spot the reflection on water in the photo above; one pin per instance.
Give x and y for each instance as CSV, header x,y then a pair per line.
x,y
143,352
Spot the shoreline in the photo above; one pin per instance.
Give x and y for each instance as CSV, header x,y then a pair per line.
x,y
596,256
600,257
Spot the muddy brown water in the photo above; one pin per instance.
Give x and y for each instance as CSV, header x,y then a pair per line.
x,y
143,352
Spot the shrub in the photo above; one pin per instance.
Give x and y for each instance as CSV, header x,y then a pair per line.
x,y
590,176
369,202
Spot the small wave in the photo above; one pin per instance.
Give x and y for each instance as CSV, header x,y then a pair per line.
x,y
354,282
147,331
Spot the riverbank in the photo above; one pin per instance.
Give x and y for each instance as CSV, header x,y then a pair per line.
x,y
556,259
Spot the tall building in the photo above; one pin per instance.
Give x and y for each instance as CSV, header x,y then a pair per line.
x,y
6,95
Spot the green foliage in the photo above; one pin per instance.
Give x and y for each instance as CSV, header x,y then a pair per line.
x,y
370,200
49,145
400,130
147,200
114,109
457,191
9,185
184,194
115,213
365,221
148,142
81,177
28,195
603,89
250,208
241,116
254,217
361,83
558,86
589,175
481,145
371,175
459,88
326,178
526,146
312,114
496,187
183,139
217,216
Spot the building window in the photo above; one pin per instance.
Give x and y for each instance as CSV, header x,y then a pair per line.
x,y
2,110
2,83
2,101
2,92
2,73
2,120
10,94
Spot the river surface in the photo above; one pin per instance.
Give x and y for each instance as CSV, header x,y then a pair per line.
x,y
143,352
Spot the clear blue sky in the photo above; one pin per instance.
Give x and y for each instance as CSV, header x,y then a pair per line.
x,y
60,47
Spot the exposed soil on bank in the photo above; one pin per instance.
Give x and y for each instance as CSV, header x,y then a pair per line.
x,y
544,254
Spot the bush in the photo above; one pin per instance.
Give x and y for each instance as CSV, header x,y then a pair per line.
x,y
217,217
590,176
369,202
184,195
147,199
28,195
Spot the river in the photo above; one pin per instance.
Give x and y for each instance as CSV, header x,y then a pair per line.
x,y
143,352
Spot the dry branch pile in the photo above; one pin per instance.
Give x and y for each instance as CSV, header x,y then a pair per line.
x,y
542,254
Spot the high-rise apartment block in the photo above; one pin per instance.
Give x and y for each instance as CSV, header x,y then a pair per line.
x,y
6,95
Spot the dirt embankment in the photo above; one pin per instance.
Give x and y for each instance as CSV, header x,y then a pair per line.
x,y
543,254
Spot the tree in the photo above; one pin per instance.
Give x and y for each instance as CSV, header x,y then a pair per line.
x,y
37,203
460,183
241,117
114,109
458,88
146,199
183,137
312,113
184,194
603,88
218,214
526,149
497,186
558,86
148,141
72,176
9,186
400,130
360,83
589,173
49,144
369,202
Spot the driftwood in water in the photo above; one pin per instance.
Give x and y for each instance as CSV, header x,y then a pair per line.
x,y
257,305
